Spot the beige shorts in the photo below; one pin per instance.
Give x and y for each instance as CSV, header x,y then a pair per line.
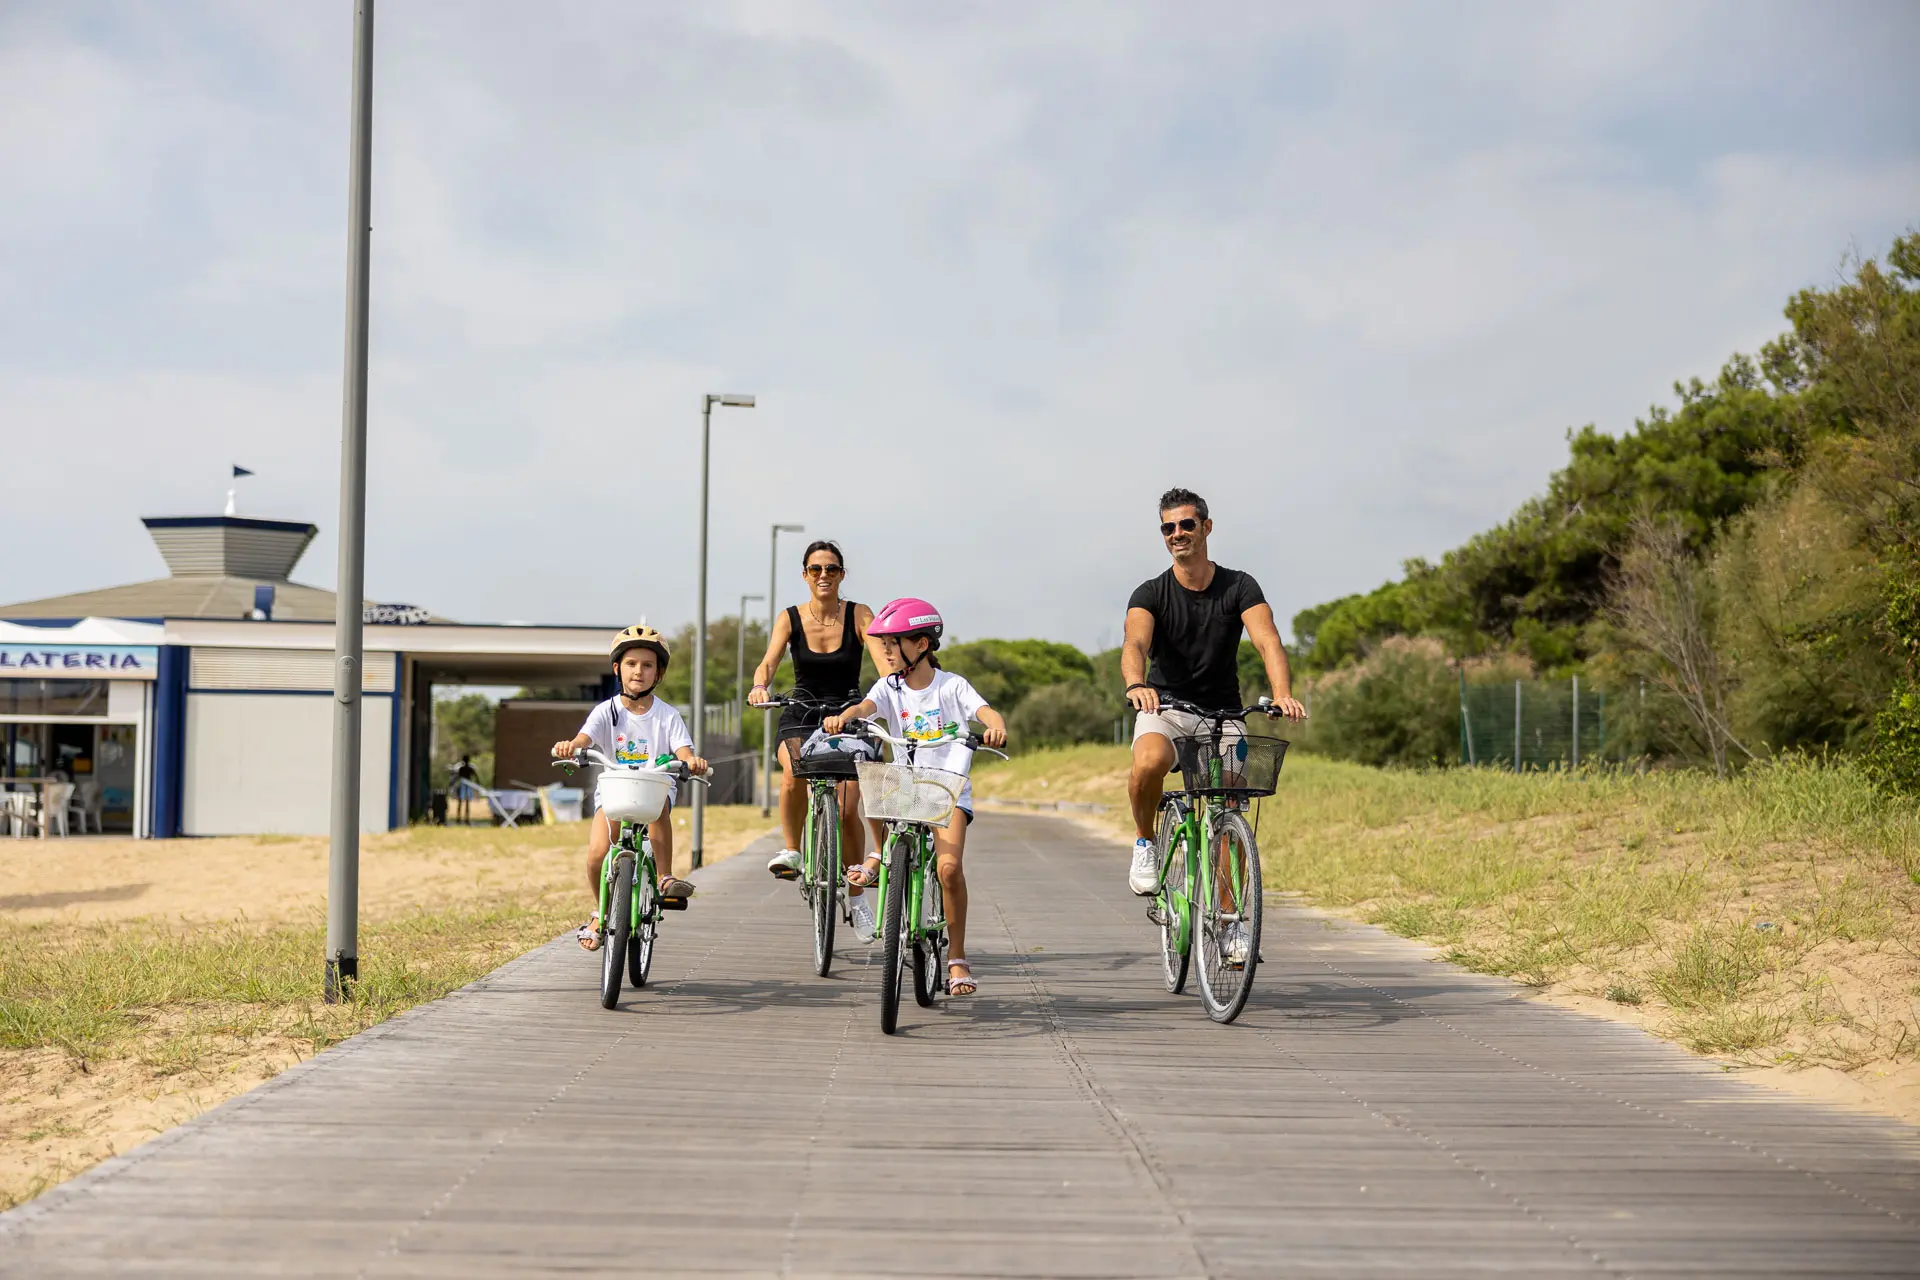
x,y
1171,724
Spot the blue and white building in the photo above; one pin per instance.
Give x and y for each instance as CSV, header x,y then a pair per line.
x,y
201,703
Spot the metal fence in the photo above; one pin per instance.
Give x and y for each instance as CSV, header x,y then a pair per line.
x,y
1532,724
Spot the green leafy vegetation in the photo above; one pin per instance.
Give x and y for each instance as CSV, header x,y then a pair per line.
x,y
1749,554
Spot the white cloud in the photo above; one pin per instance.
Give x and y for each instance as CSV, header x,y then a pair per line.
x,y
998,274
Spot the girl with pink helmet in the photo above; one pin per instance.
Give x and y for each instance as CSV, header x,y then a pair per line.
x,y
931,708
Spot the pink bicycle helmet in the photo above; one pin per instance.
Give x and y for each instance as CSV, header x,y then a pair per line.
x,y
907,616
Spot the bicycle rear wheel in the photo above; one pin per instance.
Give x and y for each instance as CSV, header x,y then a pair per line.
x,y
1227,927
930,952
619,927
823,889
1176,936
892,925
640,946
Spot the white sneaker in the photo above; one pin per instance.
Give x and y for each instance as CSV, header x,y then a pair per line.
x,y
863,921
1144,877
1233,944
785,864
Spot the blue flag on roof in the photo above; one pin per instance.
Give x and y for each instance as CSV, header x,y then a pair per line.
x,y
239,470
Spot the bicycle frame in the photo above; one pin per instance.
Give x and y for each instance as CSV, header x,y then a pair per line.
x,y
1193,836
917,839
631,838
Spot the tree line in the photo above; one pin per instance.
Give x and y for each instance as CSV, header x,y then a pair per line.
x,y
1751,556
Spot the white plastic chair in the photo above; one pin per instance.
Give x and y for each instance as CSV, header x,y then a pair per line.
x,y
85,805
54,814
22,812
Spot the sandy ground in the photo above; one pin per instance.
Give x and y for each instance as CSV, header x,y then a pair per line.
x,y
59,1114
1881,1087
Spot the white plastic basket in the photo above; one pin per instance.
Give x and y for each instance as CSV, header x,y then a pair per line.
x,y
907,793
632,795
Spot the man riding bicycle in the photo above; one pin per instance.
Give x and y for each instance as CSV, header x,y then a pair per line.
x,y
1188,622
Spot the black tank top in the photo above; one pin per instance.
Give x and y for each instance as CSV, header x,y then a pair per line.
x,y
825,675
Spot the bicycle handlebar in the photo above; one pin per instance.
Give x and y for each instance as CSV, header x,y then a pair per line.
x,y
972,742
593,756
1264,707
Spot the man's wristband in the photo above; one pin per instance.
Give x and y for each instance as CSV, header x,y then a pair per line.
x,y
1132,687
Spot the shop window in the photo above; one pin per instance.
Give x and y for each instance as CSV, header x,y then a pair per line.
x,y
53,697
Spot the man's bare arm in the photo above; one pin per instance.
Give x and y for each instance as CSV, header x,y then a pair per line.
x,y
1134,648
1266,640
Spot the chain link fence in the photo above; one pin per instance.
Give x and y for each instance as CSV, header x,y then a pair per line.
x,y
1532,724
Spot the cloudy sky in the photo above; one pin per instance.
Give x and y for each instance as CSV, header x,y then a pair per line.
x,y
998,274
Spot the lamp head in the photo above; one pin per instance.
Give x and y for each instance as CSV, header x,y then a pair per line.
x,y
732,401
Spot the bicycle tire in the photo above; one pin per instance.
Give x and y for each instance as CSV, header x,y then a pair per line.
x,y
640,946
1224,986
824,886
1176,937
929,953
619,927
891,926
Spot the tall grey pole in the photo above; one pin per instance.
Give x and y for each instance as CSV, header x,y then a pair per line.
x,y
767,721
343,853
700,646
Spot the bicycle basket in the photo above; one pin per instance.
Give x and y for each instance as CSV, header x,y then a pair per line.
x,y
825,764
906,793
1236,764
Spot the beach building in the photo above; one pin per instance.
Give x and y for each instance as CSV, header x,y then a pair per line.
x,y
200,703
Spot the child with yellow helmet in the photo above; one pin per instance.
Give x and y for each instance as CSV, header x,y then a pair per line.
x,y
634,727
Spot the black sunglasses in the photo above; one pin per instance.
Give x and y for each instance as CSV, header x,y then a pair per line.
x,y
828,570
1185,526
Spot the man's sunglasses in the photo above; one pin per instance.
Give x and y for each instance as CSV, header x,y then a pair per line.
x,y
824,570
1184,526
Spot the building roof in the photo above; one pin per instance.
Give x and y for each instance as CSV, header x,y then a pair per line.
x,y
187,596
230,546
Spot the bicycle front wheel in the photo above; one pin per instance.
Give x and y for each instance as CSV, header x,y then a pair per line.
x,y
640,947
619,922
892,926
824,887
1227,921
930,951
1175,917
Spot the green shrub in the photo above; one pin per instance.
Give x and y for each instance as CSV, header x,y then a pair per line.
x,y
1060,715
1399,706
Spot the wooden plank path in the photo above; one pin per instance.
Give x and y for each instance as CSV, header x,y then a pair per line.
x,y
1374,1113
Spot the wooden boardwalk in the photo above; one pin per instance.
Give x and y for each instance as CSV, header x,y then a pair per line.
x,y
1374,1113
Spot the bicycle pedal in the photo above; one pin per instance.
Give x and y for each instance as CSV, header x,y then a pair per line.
x,y
1155,914
675,904
786,873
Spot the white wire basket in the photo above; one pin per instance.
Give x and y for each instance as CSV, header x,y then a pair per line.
x,y
908,793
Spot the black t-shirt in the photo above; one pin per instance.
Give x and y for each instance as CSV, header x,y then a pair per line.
x,y
1196,635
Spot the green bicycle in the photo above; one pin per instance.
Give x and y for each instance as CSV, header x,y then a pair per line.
x,y
820,869
1209,860
630,901
912,800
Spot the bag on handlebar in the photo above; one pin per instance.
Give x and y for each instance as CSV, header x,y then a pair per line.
x,y
836,755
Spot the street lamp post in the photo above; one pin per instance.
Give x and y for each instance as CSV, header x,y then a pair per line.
x,y
700,623
343,848
740,668
766,737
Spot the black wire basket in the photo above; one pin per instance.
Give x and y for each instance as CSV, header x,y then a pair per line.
x,y
1234,764
825,764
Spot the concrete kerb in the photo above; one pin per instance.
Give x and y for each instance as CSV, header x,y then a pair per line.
x,y
82,1184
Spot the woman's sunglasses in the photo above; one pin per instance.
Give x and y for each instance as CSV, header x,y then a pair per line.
x,y
1184,526
824,571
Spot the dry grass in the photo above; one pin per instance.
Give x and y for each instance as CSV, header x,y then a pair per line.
x,y
141,983
1772,918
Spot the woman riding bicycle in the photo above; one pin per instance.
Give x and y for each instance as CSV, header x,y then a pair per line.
x,y
825,637
634,728
931,708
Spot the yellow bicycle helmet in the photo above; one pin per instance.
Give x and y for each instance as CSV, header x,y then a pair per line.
x,y
641,637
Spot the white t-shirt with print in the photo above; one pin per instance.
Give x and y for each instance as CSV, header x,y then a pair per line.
x,y
648,738
934,715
